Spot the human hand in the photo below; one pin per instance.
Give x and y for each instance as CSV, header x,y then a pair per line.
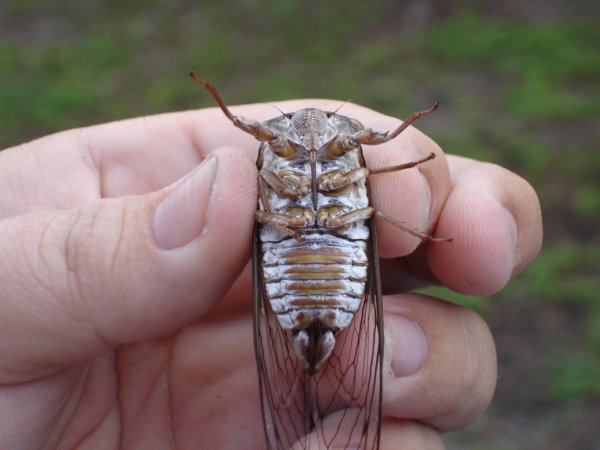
x,y
125,309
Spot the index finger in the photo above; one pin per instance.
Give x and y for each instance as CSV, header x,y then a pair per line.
x,y
71,168
133,156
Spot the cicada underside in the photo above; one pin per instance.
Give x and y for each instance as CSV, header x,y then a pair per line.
x,y
318,320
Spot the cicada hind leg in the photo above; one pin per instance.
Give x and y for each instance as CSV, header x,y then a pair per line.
x,y
370,137
424,236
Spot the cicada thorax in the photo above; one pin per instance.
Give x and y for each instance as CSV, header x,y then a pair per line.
x,y
314,280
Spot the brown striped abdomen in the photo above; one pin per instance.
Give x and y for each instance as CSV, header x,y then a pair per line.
x,y
322,278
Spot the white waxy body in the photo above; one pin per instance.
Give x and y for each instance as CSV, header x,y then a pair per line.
x,y
322,278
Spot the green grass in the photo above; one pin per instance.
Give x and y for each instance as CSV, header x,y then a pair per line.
x,y
566,275
480,305
566,272
575,378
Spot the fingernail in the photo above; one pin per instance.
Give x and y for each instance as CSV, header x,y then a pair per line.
x,y
181,216
409,345
512,232
427,204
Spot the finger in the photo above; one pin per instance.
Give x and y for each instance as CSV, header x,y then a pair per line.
x,y
127,157
130,157
414,196
442,362
74,283
494,217
409,435
339,430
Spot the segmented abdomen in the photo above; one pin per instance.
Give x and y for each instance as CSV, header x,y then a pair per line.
x,y
322,278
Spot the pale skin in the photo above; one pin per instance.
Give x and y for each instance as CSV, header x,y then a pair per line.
x,y
125,324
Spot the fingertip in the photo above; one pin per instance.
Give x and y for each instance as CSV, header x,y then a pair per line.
x,y
213,199
235,194
156,289
494,217
222,249
481,257
180,217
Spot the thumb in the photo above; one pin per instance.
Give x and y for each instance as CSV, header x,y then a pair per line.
x,y
75,283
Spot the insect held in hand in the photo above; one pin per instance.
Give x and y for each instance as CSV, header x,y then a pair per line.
x,y
318,319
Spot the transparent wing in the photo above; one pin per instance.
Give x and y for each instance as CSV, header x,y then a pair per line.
x,y
338,407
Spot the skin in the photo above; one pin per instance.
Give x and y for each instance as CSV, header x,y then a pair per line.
x,y
125,312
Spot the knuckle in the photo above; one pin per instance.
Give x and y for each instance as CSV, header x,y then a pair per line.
x,y
93,248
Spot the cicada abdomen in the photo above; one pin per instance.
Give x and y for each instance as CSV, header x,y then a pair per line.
x,y
318,320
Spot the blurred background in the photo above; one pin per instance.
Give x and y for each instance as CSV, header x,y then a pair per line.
x,y
518,83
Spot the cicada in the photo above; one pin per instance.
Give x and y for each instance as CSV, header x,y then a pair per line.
x,y
318,320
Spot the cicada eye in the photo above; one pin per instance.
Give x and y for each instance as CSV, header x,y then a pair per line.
x,y
356,125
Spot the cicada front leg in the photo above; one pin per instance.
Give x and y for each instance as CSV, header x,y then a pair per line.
x,y
371,137
288,222
288,183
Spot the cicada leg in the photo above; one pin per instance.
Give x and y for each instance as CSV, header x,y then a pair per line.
x,y
288,183
284,223
329,216
405,227
371,137
336,180
399,167
368,136
254,127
